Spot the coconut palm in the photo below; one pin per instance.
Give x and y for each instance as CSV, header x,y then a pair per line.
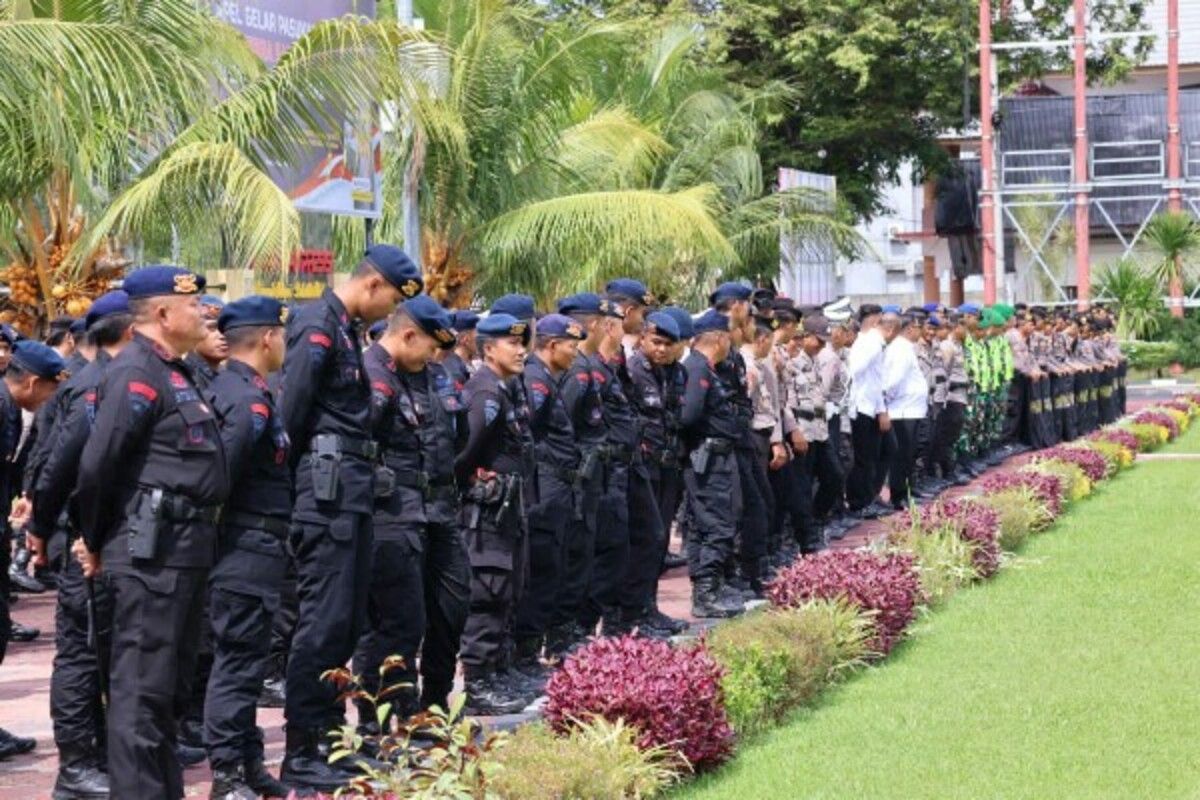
x,y
1174,237
153,119
568,153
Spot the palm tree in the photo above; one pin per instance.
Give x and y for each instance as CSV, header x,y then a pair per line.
x,y
1138,295
1174,236
152,119
560,154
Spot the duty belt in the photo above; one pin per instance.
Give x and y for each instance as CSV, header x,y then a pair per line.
x,y
619,453
663,458
277,526
565,474
344,445
718,446
178,508
429,485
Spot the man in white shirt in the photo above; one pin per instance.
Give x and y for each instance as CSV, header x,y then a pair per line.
x,y
870,421
906,396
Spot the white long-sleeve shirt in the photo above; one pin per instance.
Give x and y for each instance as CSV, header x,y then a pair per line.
x,y
865,365
905,390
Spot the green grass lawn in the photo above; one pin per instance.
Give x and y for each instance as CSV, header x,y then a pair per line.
x,y
1188,443
1074,674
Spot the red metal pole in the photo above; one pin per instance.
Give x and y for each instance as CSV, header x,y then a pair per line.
x,y
987,221
1174,154
1083,275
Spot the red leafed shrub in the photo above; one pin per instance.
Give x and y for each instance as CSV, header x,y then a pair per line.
x,y
1092,463
1048,488
671,695
975,523
886,584
1121,437
1160,419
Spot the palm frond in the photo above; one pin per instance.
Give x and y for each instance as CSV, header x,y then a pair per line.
x,y
617,231
206,183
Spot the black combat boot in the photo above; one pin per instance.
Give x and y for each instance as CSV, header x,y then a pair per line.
x,y
303,766
705,602
229,783
79,774
489,697
262,781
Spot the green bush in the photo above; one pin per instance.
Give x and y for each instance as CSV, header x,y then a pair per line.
x,y
778,659
1149,437
1152,356
1076,485
944,558
1185,334
1021,513
596,760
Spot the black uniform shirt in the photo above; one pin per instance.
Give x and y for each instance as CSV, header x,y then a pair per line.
x,y
256,444
708,410
45,425
411,424
618,411
449,391
651,399
325,391
498,437
581,398
10,436
732,374
76,399
153,430
553,435
457,369
202,374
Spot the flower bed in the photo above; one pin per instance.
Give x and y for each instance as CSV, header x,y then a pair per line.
x,y
884,585
1047,488
1092,463
1160,418
672,696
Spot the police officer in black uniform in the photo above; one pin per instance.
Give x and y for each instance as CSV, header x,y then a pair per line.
x,y
251,560
622,454
656,396
669,490
152,478
457,361
420,578
75,683
492,471
326,411
556,473
711,428
30,379
580,392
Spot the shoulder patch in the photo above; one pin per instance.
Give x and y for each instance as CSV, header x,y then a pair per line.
x,y
382,388
491,410
141,396
320,340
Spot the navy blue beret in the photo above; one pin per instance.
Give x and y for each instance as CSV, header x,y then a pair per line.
x,y
933,321
78,326
115,302
930,308
39,359
559,326
377,328
395,265
711,320
629,289
730,290
969,308
464,320
582,303
62,323
160,280
431,318
9,334
515,305
663,324
890,308
255,310
495,326
683,320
